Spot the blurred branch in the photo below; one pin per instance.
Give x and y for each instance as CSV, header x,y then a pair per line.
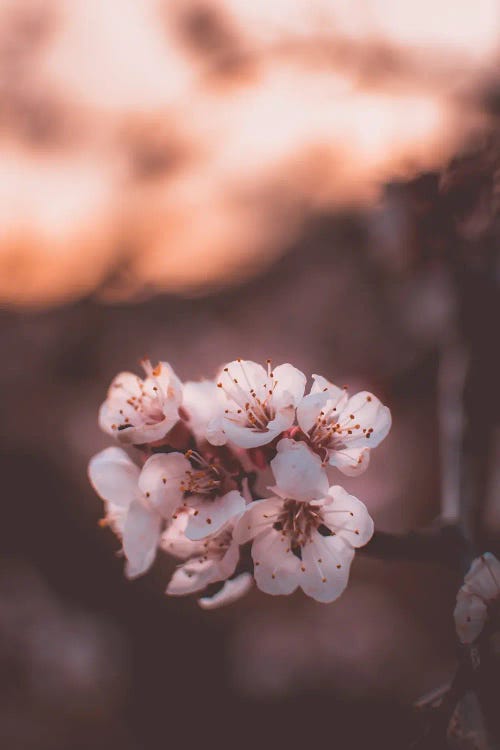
x,y
444,545
440,714
451,380
469,408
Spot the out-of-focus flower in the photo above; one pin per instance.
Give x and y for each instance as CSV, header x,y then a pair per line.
x,y
142,411
306,534
340,429
258,406
135,508
480,589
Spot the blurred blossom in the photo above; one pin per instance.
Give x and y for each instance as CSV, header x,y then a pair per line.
x,y
478,594
180,145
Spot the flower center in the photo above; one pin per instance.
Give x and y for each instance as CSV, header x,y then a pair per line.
x,y
254,410
297,521
148,406
204,479
329,434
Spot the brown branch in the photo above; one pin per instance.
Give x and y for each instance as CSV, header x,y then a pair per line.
x,y
444,545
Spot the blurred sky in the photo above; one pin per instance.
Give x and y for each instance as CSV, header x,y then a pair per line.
x,y
178,144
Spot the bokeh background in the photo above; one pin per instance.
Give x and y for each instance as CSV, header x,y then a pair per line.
x,y
198,180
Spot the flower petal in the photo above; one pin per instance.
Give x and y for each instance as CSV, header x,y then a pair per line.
x,y
174,539
192,576
258,516
230,592
290,386
470,616
368,420
308,411
215,431
229,561
115,518
348,517
250,437
241,376
168,382
202,402
210,515
325,567
114,476
276,568
210,566
140,411
322,385
298,472
160,481
483,578
141,537
350,461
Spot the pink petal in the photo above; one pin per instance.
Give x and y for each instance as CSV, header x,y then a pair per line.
x,y
160,481
193,576
114,476
470,616
325,567
141,537
276,568
350,461
290,386
367,411
229,593
348,517
257,517
483,577
210,515
298,472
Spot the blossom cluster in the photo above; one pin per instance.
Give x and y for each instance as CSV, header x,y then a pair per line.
x,y
235,478
478,597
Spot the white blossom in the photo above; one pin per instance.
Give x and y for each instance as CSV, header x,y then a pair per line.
x,y
135,509
214,559
205,562
304,535
191,481
480,589
258,405
142,411
340,429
